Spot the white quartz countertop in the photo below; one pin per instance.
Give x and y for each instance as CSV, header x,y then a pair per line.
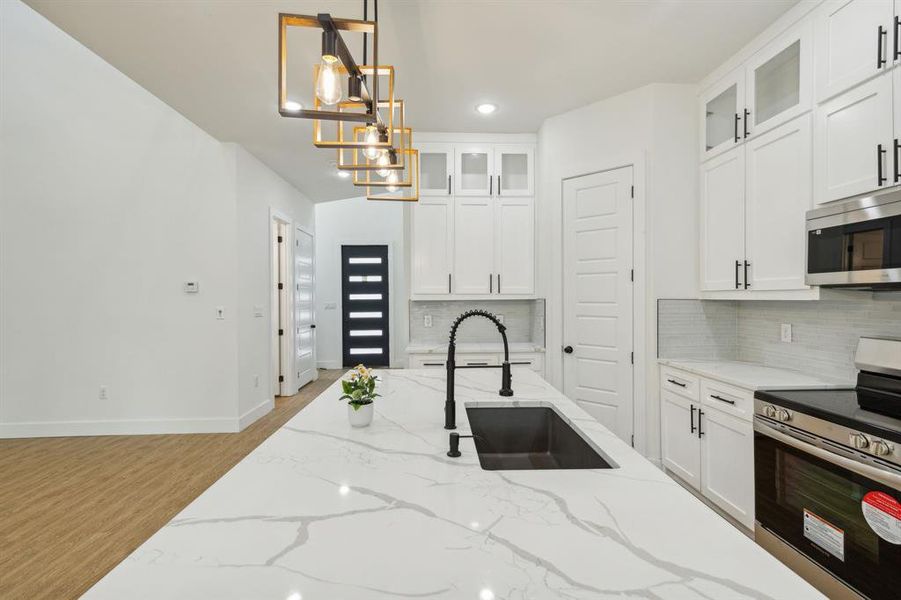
x,y
324,511
752,376
462,348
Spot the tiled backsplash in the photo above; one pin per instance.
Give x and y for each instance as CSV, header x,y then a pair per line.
x,y
824,332
524,320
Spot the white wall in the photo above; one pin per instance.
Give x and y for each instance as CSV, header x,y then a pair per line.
x,y
109,201
259,191
359,221
654,126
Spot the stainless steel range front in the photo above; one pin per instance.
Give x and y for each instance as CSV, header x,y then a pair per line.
x,y
856,243
827,474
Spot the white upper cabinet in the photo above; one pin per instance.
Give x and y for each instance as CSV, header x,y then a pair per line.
x,y
473,245
855,40
721,120
436,169
514,253
779,82
514,166
853,141
778,194
474,170
432,248
722,222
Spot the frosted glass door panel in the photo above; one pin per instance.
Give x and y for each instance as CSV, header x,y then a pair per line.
x,y
474,172
514,166
777,84
436,165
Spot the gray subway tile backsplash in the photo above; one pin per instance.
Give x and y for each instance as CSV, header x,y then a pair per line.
x,y
824,332
524,320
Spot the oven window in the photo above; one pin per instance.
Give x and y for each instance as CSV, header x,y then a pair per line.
x,y
789,482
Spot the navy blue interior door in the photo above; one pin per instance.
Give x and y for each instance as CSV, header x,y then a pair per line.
x,y
364,305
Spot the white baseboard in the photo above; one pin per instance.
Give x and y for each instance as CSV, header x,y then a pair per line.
x,y
117,427
329,364
255,413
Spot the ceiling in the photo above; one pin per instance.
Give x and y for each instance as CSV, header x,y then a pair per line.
x,y
215,60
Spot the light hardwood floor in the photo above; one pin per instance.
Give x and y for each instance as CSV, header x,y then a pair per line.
x,y
72,508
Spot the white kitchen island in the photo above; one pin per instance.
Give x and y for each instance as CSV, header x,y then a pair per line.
x,y
323,511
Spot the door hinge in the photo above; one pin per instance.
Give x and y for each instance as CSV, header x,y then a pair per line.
x,y
633,440
280,240
632,358
632,275
281,286
281,332
633,191
281,378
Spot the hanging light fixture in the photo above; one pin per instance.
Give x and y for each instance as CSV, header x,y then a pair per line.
x,y
397,187
385,148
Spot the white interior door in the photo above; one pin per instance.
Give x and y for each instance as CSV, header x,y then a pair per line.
x,y
723,221
597,296
282,346
304,328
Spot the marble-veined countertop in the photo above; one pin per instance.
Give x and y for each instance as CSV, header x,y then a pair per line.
x,y
753,376
323,511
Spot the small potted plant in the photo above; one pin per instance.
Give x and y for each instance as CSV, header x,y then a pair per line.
x,y
359,391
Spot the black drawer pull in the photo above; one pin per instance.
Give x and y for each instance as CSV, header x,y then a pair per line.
x,y
432,364
476,364
721,399
674,382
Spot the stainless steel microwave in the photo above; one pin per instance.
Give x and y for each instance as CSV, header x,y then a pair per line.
x,y
856,243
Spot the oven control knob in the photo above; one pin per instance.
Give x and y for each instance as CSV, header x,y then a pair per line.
x,y
859,441
783,415
769,411
881,448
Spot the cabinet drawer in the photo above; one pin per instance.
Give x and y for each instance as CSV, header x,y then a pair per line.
x,y
427,361
476,360
728,399
679,382
534,362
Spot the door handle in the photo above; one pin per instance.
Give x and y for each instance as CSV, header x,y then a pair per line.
x,y
312,326
747,266
568,349
735,129
880,179
747,114
693,428
700,415
880,60
737,267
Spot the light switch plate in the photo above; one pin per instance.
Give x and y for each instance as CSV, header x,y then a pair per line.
x,y
786,333
257,310
192,287
427,321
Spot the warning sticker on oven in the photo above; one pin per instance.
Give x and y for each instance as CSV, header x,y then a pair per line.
x,y
824,534
883,515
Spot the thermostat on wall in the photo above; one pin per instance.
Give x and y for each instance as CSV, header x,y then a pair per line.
x,y
192,287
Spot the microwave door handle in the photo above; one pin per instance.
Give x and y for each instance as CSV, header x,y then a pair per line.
x,y
882,476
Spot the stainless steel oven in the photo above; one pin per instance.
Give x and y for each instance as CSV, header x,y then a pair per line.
x,y
856,243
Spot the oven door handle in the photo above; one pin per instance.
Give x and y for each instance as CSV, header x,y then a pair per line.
x,y
882,476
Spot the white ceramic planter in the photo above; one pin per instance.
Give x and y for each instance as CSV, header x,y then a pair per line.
x,y
361,417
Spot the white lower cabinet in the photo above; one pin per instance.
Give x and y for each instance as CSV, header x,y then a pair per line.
x,y
707,441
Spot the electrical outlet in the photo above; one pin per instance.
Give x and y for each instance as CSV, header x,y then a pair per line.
x,y
220,313
104,393
786,333
427,321
500,318
257,310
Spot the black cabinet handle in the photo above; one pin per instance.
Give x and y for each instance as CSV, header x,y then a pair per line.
x,y
490,185
693,428
897,47
448,185
448,283
737,267
880,179
568,349
879,59
700,415
747,114
312,326
721,399
895,155
490,283
747,265
737,139
674,382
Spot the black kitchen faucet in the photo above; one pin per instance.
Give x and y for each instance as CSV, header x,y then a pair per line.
x,y
450,406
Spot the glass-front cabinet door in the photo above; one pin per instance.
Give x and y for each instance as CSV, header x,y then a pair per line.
x,y
780,85
436,169
722,115
474,170
514,170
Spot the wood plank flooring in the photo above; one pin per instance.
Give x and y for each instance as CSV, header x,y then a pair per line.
x,y
73,508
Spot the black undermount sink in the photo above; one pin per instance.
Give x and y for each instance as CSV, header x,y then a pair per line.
x,y
529,437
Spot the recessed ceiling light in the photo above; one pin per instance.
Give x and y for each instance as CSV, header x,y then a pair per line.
x,y
487,108
293,106
343,174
